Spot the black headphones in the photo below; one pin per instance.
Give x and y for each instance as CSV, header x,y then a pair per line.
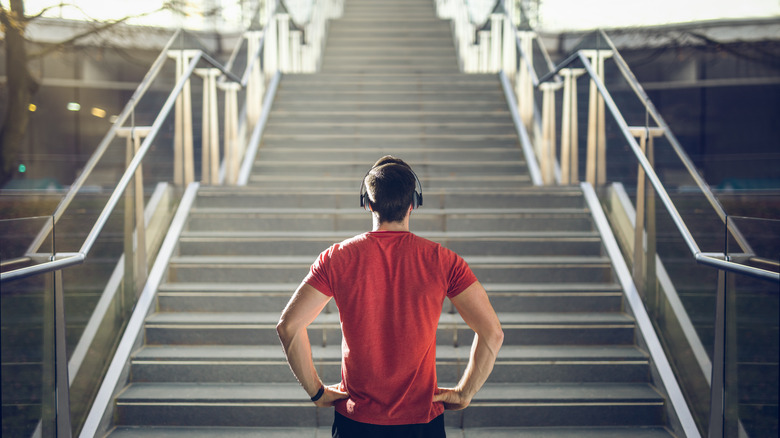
x,y
417,198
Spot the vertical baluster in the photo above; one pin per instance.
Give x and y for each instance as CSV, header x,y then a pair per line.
x,y
178,145
210,127
525,98
187,138
548,132
597,142
644,226
232,155
569,127
509,50
496,21
254,88
295,51
135,226
283,21
270,64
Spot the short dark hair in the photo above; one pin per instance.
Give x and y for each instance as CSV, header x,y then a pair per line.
x,y
390,186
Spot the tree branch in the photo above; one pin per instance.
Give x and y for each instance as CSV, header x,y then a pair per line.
x,y
45,10
95,30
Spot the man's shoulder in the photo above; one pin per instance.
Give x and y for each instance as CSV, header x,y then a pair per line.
x,y
347,244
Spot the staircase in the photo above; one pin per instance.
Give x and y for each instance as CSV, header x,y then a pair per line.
x,y
211,364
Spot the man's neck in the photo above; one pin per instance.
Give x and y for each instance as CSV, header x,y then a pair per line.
x,y
402,225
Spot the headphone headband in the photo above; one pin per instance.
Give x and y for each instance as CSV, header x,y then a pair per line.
x,y
417,198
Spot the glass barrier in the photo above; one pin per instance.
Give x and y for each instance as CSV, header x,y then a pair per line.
x,y
180,127
753,332
27,341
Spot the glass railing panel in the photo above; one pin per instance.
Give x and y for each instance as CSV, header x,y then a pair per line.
x,y
94,290
98,300
753,332
26,344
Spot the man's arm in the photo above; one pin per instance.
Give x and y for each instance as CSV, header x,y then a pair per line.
x,y
303,308
475,309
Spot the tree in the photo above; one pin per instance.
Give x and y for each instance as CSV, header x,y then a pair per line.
x,y
21,85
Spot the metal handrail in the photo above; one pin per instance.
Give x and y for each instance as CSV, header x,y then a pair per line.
x,y
101,221
142,88
675,144
79,257
690,241
15,261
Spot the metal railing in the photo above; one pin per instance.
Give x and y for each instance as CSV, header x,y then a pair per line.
x,y
518,53
265,50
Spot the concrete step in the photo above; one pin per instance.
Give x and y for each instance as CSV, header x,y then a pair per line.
x,y
356,219
567,198
331,52
245,297
292,182
277,269
400,93
222,432
466,244
374,106
420,33
454,79
325,432
284,405
385,141
239,364
390,129
271,154
420,68
440,62
379,43
206,328
359,168
502,405
306,116
368,23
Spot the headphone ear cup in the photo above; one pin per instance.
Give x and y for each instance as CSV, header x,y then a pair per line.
x,y
364,201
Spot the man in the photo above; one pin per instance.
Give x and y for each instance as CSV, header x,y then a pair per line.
x,y
389,286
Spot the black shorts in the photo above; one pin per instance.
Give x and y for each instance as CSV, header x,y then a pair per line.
x,y
343,427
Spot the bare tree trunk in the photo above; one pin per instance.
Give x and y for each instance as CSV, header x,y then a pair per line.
x,y
20,86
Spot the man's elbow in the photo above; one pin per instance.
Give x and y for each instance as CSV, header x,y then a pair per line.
x,y
495,337
284,330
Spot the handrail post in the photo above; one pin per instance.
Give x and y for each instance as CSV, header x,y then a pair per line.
x,y
569,127
547,152
270,57
183,160
483,50
254,88
283,21
232,154
525,86
61,356
645,226
717,398
135,225
210,126
597,141
509,50
495,42
295,51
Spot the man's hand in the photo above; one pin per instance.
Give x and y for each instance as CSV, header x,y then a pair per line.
x,y
331,395
453,398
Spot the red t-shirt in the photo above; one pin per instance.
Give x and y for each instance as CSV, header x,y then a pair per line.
x,y
389,288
